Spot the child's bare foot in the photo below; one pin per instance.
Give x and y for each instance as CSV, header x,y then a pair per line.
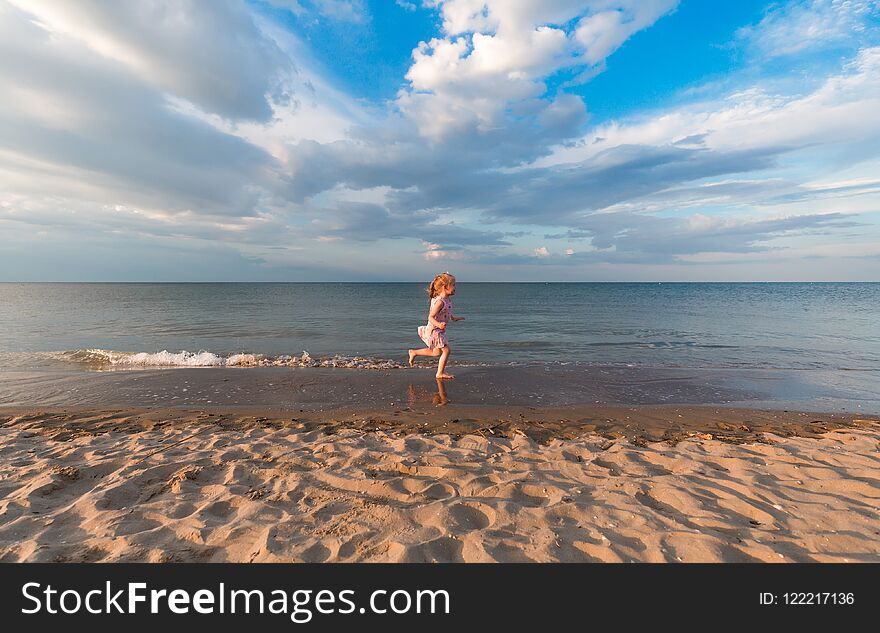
x,y
412,355
444,376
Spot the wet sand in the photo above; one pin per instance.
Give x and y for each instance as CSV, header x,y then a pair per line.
x,y
435,482
533,385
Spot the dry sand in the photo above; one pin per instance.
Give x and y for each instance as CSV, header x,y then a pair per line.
x,y
175,485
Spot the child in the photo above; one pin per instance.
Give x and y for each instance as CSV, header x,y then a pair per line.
x,y
439,314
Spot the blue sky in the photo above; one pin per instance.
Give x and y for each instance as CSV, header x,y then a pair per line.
x,y
692,44
389,140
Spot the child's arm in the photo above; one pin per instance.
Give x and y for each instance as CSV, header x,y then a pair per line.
x,y
435,308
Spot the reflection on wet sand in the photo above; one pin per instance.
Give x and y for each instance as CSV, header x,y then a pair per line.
x,y
418,394
440,399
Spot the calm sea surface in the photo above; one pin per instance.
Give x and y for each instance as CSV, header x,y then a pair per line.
x,y
762,325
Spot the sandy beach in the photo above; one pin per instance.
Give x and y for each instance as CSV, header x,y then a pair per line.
x,y
615,484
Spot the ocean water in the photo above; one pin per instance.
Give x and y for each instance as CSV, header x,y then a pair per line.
x,y
828,326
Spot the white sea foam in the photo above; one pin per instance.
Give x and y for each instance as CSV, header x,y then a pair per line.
x,y
101,358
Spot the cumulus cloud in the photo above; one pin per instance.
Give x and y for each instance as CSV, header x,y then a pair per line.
x,y
496,56
433,252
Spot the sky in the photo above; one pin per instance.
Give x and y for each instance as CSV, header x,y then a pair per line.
x,y
390,140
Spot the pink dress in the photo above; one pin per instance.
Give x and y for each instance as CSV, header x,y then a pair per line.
x,y
434,338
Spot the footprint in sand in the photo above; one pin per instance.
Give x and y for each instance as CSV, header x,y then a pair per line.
x,y
533,496
507,553
415,445
440,550
439,491
471,515
316,553
59,478
220,509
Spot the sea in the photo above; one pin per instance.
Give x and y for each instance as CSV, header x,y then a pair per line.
x,y
126,326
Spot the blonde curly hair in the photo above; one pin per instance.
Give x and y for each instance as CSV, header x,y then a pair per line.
x,y
443,280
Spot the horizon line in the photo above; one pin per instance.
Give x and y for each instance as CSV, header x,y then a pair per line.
x,y
479,281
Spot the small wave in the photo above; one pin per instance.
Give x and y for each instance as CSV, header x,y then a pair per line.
x,y
528,344
101,359
639,344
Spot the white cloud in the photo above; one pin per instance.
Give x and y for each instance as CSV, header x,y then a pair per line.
x,y
101,140
603,32
613,188
345,10
318,110
434,252
496,54
101,137
117,139
208,53
840,110
796,26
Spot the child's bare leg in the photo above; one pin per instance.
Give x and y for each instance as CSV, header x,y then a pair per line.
x,y
421,352
441,366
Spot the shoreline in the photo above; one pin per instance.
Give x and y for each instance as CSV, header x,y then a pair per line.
x,y
531,385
